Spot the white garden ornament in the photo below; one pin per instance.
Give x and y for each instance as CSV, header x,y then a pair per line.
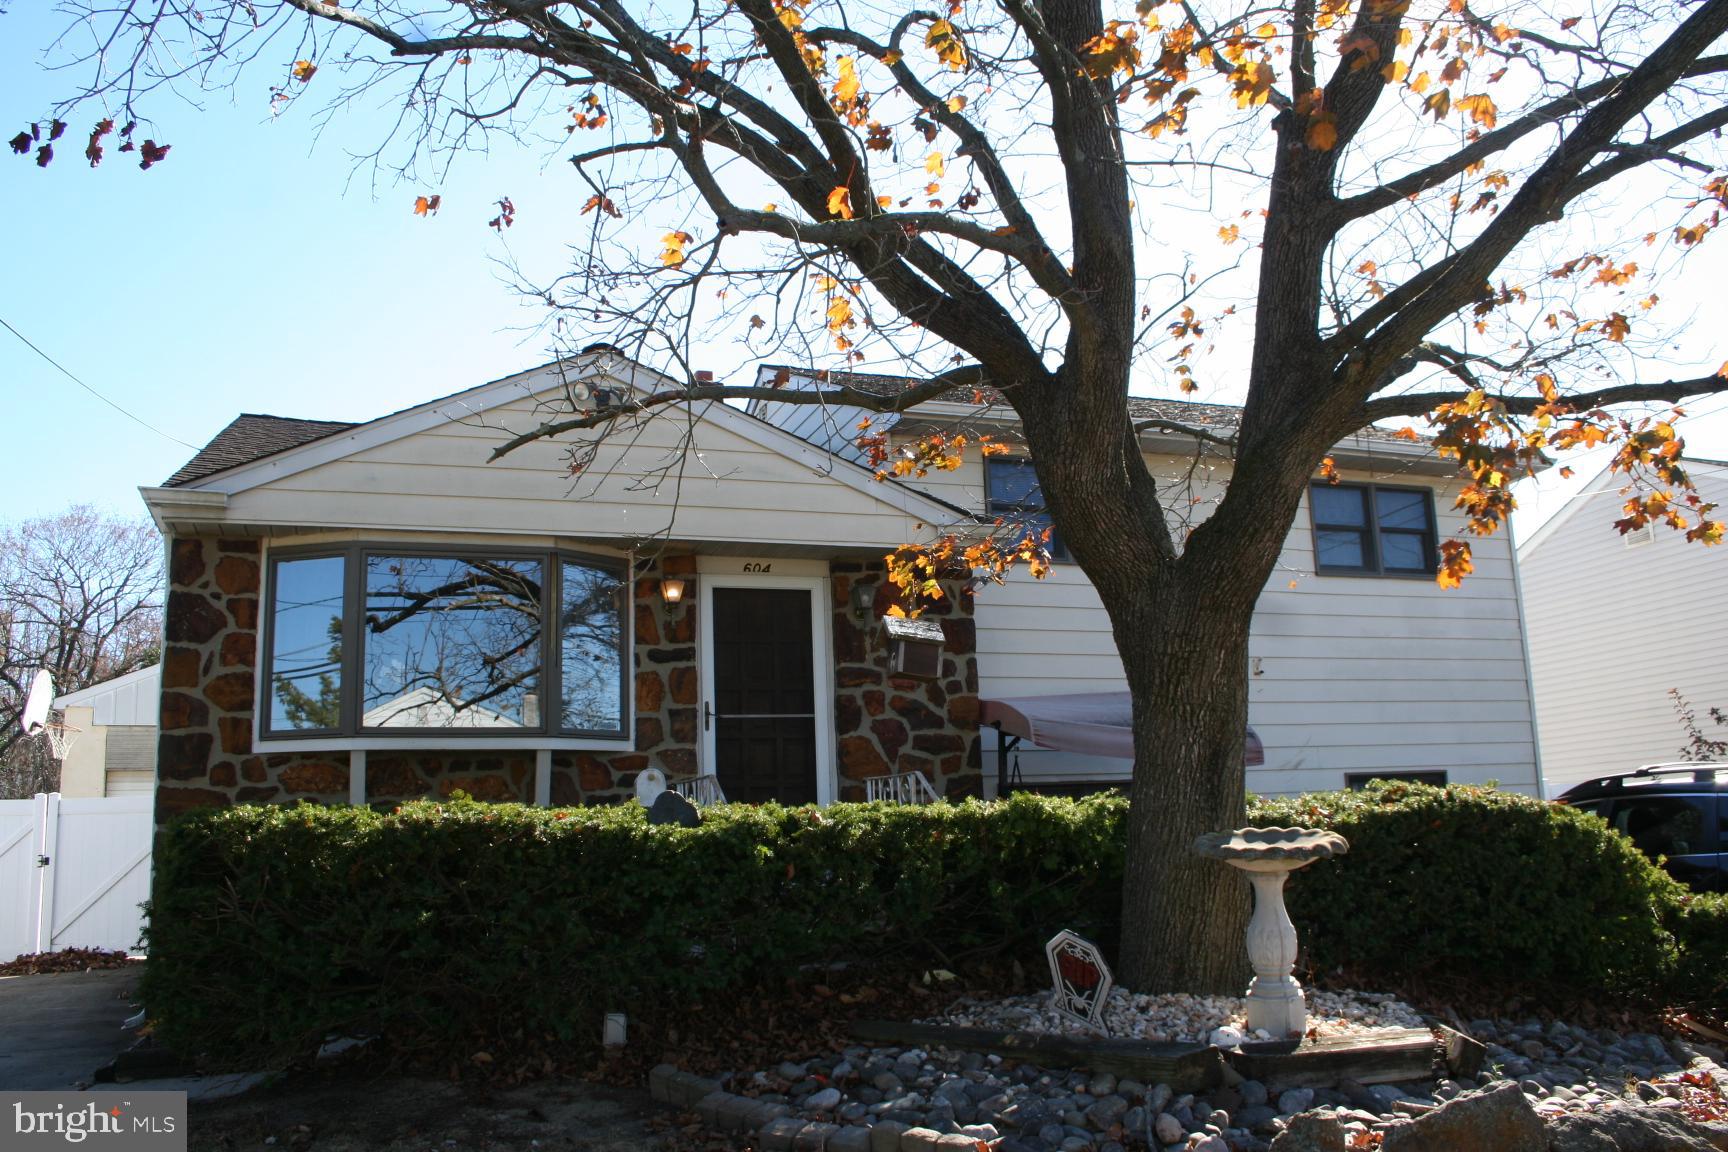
x,y
1268,856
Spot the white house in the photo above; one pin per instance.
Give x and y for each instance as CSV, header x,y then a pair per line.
x,y
1618,623
704,594
113,751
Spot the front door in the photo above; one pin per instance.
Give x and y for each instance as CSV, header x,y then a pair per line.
x,y
762,696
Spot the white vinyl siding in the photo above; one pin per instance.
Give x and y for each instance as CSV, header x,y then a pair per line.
x,y
1613,628
639,486
1356,673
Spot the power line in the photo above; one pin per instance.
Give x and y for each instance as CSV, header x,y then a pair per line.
x,y
63,371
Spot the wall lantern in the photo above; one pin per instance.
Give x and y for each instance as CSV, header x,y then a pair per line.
x,y
914,647
605,399
672,589
863,597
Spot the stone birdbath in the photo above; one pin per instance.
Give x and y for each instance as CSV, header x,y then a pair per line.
x,y
1268,856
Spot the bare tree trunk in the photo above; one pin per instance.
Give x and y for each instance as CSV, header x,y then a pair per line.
x,y
1183,917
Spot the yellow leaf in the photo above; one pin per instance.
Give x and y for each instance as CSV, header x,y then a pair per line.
x,y
1251,83
944,40
303,70
1440,103
892,57
1395,71
673,255
936,164
1481,109
840,202
955,103
846,89
839,313
1229,233
1420,84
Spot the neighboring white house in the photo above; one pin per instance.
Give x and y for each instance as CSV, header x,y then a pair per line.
x,y
704,594
1617,622
114,751
1352,673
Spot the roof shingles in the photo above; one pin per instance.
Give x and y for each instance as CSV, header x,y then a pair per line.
x,y
252,436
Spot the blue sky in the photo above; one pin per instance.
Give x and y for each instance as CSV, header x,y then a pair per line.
x,y
260,269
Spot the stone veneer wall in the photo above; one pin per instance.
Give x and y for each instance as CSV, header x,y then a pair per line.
x,y
205,752
894,723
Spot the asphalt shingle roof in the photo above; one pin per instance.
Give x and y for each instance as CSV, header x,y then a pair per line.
x,y
1222,418
252,436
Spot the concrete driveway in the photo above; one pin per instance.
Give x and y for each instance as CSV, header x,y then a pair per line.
x,y
57,1029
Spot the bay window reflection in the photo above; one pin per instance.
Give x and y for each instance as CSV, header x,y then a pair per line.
x,y
373,641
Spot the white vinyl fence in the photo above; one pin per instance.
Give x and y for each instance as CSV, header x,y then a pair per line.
x,y
73,871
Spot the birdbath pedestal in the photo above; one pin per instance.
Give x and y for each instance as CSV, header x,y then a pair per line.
x,y
1268,856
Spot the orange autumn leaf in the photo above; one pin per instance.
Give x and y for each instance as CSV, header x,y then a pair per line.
x,y
1481,109
840,202
1229,233
303,70
936,164
1323,133
427,205
1616,327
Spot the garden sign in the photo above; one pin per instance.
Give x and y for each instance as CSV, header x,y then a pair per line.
x,y
1080,980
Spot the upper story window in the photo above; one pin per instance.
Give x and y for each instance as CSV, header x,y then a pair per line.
x,y
1011,492
1367,529
363,641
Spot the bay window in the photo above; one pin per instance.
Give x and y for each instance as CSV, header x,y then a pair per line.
x,y
460,643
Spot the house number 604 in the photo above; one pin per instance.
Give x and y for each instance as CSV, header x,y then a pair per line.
x,y
757,567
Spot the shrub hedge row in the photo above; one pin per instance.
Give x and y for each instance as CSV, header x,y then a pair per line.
x,y
447,923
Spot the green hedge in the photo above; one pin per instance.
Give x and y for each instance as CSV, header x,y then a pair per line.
x,y
274,927
1700,925
448,924
1462,880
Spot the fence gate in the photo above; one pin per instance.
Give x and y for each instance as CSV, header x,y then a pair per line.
x,y
73,871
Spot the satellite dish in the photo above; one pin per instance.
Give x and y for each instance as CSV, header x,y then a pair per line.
x,y
650,782
36,704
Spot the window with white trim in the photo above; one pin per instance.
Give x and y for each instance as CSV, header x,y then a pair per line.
x,y
470,643
1012,494
1373,530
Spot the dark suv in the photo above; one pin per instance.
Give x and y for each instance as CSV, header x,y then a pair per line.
x,y
1676,811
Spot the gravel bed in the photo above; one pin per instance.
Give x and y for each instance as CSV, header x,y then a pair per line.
x,y
1181,1017
1018,1107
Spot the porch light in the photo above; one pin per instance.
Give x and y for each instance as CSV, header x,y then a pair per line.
x,y
672,589
914,647
863,596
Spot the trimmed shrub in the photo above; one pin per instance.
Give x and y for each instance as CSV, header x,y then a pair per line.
x,y
458,924
1468,880
1700,925
275,927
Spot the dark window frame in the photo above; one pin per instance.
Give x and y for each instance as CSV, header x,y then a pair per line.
x,y
1012,509
354,557
1372,530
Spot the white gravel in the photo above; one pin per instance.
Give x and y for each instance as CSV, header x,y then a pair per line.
x,y
1181,1017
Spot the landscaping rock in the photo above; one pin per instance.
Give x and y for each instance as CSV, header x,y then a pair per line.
x,y
1635,1130
1312,1132
1295,1100
850,1139
1167,1128
1498,1120
885,1136
825,1100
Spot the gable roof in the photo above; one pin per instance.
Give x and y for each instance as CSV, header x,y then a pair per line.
x,y
1222,418
252,436
258,450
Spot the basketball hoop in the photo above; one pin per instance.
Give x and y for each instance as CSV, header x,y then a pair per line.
x,y
34,717
61,737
